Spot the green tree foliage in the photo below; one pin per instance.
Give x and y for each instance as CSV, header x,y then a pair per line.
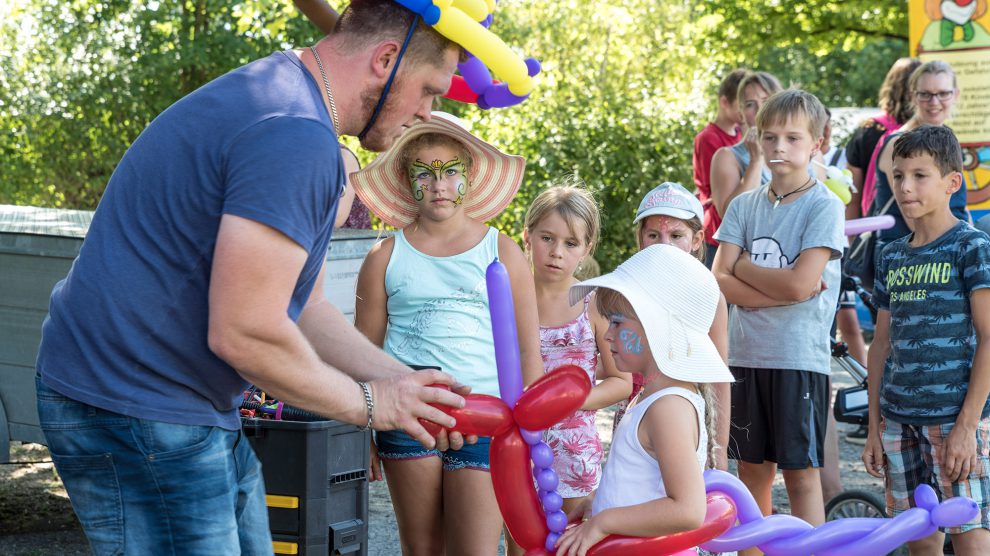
x,y
618,105
839,50
83,78
624,90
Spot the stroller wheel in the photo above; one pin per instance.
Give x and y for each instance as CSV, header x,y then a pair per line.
x,y
855,503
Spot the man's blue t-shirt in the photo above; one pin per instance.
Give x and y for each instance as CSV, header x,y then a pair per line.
x,y
932,338
127,328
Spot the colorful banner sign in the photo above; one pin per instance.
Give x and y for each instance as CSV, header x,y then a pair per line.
x,y
958,32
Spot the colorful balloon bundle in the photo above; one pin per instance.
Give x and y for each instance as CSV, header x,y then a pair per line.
x,y
787,535
500,305
466,22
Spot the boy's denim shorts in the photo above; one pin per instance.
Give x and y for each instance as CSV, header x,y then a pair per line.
x,y
397,445
147,487
914,458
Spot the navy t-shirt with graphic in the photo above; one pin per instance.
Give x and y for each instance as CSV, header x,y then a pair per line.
x,y
927,291
127,329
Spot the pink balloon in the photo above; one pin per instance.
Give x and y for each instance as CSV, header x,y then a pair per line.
x,y
869,224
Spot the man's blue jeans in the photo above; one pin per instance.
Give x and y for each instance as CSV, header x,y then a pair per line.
x,y
148,487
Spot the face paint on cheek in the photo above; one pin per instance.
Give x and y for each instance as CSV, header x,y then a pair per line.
x,y
420,176
461,191
454,171
631,342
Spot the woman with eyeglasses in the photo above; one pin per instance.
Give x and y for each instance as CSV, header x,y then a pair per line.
x,y
934,94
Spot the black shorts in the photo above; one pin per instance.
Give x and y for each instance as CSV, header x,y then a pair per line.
x,y
779,416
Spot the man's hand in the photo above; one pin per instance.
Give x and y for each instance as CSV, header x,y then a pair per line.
x,y
959,453
402,400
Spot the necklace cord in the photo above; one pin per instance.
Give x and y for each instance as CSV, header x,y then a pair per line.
x,y
778,198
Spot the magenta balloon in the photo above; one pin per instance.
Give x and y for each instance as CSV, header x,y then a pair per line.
x,y
547,479
868,224
551,501
531,437
556,521
474,71
542,455
504,333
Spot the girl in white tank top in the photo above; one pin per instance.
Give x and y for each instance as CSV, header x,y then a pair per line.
x,y
660,304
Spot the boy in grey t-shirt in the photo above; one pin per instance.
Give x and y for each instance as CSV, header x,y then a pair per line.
x,y
778,264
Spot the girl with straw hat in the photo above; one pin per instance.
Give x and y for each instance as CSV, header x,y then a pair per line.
x,y
421,295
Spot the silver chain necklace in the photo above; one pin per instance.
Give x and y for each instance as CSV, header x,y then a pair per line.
x,y
326,85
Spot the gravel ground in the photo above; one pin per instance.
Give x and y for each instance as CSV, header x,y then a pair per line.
x,y
36,519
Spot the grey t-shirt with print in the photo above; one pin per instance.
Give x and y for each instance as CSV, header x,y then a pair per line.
x,y
791,336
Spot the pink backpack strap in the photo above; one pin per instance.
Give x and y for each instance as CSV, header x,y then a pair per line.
x,y
870,172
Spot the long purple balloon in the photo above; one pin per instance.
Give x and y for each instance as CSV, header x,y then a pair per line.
x,y
784,535
504,333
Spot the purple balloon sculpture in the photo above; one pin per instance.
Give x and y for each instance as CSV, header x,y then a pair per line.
x,y
505,337
479,79
780,535
507,361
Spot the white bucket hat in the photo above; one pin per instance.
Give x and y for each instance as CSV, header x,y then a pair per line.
x,y
670,199
675,298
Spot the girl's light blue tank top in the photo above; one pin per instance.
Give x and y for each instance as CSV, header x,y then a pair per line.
x,y
438,311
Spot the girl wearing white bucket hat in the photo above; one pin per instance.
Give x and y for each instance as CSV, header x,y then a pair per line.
x,y
661,303
670,214
421,295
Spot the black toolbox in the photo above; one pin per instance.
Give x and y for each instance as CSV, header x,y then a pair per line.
x,y
316,484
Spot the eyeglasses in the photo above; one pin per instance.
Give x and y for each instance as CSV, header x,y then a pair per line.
x,y
925,96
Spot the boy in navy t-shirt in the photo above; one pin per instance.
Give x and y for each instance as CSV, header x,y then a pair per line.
x,y
929,366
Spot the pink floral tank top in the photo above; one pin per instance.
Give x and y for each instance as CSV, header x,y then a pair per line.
x,y
577,449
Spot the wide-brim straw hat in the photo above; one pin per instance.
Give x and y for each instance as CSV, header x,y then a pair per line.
x,y
675,298
494,176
